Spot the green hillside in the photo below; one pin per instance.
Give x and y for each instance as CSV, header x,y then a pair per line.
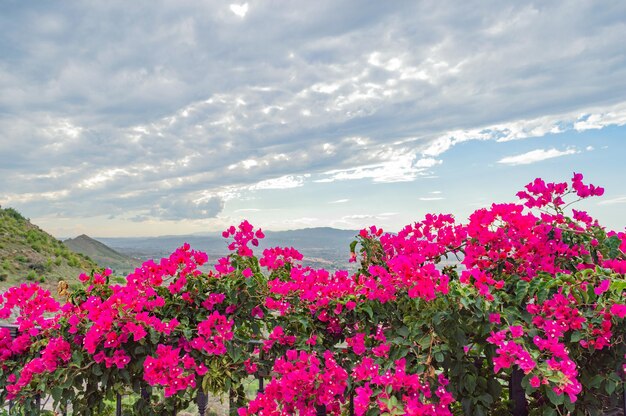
x,y
28,253
102,254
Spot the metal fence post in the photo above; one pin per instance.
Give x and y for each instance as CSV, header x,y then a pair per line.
x,y
351,405
517,393
624,387
201,400
624,404
260,374
118,405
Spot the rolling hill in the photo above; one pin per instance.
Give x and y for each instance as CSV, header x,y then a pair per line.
x,y
103,255
27,253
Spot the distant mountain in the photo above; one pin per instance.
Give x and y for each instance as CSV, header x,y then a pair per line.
x,y
321,247
27,253
103,255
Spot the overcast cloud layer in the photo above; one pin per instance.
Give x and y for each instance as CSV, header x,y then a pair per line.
x,y
167,110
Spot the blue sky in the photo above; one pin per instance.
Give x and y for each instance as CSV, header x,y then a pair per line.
x,y
172,117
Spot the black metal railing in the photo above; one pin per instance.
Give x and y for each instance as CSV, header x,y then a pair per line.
x,y
516,392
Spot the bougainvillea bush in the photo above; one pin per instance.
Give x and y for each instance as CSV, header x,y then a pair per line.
x,y
435,321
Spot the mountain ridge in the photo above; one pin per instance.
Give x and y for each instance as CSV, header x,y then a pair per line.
x,y
102,254
321,246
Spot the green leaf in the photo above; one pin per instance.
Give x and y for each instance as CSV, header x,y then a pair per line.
x,y
96,370
57,392
486,399
576,336
424,342
494,387
470,383
618,286
542,295
236,356
521,290
403,330
549,411
77,358
595,382
610,386
353,246
368,309
612,243
553,397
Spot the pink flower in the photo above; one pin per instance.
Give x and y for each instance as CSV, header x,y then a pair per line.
x,y
312,340
535,382
602,287
618,310
251,367
516,331
357,343
257,312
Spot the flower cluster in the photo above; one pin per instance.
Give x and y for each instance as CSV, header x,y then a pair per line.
x,y
417,395
169,370
33,303
57,351
302,381
243,235
213,333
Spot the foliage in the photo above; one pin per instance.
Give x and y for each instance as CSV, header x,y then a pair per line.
x,y
409,333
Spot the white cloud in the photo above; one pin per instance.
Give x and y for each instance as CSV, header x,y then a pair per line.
x,y
399,165
102,178
249,163
387,172
594,118
536,155
613,201
339,201
600,120
356,221
283,182
431,198
428,162
239,9
176,209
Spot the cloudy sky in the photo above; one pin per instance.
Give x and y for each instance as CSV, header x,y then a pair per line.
x,y
126,118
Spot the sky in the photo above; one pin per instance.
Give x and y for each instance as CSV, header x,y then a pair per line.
x,y
149,118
